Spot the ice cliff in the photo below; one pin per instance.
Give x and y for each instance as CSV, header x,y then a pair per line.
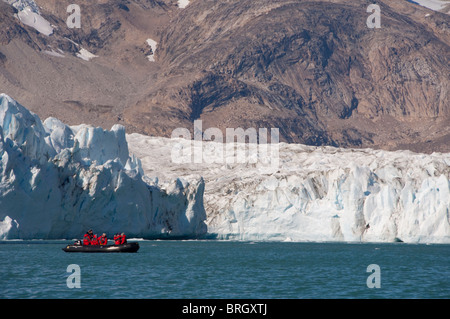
x,y
57,181
316,193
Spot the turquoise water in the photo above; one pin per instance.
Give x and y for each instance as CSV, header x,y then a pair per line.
x,y
224,269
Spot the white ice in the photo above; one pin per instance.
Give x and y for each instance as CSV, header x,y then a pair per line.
x,y
54,53
35,20
56,181
153,44
85,55
183,3
316,193
436,5
28,14
22,4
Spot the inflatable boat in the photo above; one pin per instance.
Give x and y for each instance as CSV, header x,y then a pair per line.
x,y
125,248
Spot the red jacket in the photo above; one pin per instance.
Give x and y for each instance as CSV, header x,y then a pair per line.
x,y
117,239
87,239
94,240
120,239
102,240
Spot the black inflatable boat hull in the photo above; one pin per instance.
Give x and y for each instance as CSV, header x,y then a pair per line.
x,y
125,248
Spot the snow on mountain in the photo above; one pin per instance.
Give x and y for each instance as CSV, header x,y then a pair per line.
x,y
57,181
35,20
54,53
316,193
183,3
436,5
28,14
22,4
152,44
85,55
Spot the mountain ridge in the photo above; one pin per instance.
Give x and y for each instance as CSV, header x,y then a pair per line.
x,y
312,69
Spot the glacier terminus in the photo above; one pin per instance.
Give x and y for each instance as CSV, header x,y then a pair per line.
x,y
56,181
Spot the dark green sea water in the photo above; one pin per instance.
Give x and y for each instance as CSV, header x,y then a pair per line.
x,y
224,269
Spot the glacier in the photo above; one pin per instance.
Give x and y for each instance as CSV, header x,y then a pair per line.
x,y
315,193
57,181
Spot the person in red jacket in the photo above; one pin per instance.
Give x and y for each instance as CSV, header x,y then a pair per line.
x,y
88,237
120,239
94,241
123,239
117,239
103,240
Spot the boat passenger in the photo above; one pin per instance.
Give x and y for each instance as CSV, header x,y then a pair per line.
x,y
103,240
117,238
94,241
88,237
123,239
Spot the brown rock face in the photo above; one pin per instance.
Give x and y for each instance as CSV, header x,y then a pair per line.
x,y
313,69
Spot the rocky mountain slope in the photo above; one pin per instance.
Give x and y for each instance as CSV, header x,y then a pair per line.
x,y
313,69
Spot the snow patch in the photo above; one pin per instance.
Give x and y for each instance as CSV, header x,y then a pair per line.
x,y
183,3
22,4
436,5
54,53
28,14
36,21
86,55
153,44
